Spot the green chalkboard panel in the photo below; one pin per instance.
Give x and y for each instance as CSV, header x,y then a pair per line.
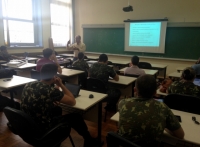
x,y
181,42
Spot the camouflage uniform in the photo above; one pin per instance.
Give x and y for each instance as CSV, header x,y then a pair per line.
x,y
82,64
182,87
38,101
5,56
102,72
145,119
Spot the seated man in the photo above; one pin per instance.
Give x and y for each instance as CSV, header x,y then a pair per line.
x,y
134,69
4,55
49,57
102,71
40,99
185,85
143,118
81,63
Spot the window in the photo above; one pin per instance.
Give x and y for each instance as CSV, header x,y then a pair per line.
x,y
61,21
21,23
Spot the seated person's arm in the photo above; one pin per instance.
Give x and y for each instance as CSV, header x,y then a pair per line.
x,y
173,126
16,57
68,97
56,62
179,133
116,78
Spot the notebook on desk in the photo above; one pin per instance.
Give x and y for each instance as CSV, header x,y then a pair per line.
x,y
74,89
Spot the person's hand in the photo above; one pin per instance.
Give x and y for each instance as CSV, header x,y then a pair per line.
x,y
68,42
75,48
58,81
53,57
130,64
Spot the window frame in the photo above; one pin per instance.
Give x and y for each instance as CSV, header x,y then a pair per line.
x,y
37,26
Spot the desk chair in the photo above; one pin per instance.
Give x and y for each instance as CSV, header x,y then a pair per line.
x,y
82,78
144,65
35,74
23,125
115,140
182,102
97,85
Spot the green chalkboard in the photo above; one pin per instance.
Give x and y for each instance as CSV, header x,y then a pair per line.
x,y
181,42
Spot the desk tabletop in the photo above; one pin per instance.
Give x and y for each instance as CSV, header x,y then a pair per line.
x,y
70,72
158,65
14,82
147,71
181,68
2,61
190,128
25,66
175,74
83,102
93,57
123,80
161,93
122,62
67,55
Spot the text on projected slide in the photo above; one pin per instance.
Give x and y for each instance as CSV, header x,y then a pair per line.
x,y
145,34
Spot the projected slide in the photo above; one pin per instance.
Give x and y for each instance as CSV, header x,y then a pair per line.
x,y
145,34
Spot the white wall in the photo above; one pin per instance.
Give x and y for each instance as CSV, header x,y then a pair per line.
x,y
110,12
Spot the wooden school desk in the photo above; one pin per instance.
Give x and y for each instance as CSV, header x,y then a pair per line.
x,y
93,57
175,75
67,55
181,68
125,85
147,71
160,67
70,75
15,81
190,128
23,70
91,108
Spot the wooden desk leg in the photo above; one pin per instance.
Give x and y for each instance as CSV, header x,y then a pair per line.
x,y
99,121
165,72
12,97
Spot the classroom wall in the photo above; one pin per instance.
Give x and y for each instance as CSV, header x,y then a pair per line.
x,y
46,31
110,12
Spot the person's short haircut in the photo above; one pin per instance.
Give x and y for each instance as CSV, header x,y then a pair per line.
x,y
146,85
188,73
48,71
80,55
3,48
47,52
103,58
135,60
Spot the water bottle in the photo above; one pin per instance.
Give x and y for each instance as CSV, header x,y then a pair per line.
x,y
26,60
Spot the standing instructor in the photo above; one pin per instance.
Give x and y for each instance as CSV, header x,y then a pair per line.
x,y
76,47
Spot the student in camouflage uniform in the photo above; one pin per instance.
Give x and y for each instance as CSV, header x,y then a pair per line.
x,y
143,118
185,85
102,71
40,99
81,63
